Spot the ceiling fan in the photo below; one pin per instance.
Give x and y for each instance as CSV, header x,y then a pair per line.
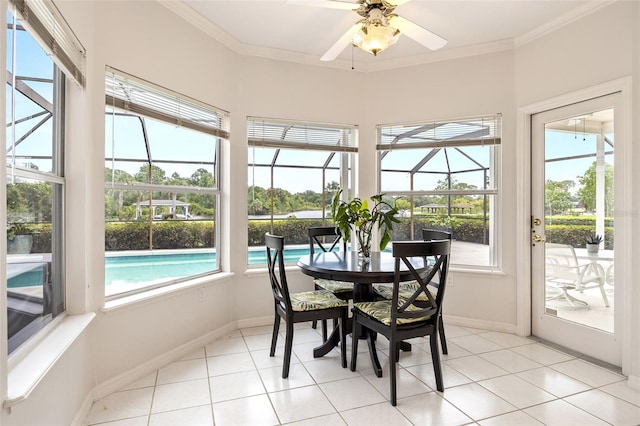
x,y
379,28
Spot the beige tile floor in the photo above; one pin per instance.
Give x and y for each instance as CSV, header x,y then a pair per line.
x,y
490,379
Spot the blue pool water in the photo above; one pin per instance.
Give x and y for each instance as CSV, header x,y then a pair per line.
x,y
126,273
129,272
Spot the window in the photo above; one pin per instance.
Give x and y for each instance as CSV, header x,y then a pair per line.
x,y
162,185
445,175
34,149
294,170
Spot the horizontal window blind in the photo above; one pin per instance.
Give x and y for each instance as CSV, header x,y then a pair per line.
x,y
301,135
44,22
485,130
137,96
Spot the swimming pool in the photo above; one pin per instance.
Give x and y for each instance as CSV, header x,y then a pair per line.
x,y
131,272
127,272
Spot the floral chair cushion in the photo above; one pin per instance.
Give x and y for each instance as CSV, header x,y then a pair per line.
x,y
313,300
405,291
381,311
333,285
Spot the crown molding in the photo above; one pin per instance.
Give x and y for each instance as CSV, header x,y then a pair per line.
x,y
201,23
442,55
561,21
206,26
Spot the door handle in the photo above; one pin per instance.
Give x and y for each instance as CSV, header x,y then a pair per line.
x,y
538,239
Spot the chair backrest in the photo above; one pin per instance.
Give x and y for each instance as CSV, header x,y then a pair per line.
x,y
561,254
432,235
277,275
561,262
436,255
435,234
317,238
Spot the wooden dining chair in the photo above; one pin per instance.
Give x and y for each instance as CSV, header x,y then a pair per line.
x,y
407,288
299,307
401,319
326,239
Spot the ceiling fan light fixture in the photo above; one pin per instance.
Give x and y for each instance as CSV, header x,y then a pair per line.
x,y
375,36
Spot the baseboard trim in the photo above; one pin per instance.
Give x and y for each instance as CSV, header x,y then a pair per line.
x,y
634,382
131,376
84,410
255,322
480,324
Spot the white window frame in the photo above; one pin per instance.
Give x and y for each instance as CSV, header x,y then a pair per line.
x,y
306,136
407,136
165,105
15,171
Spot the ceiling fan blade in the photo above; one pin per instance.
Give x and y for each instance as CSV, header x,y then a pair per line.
x,y
338,46
329,4
419,34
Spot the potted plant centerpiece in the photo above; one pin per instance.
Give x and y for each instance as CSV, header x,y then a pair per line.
x,y
356,214
593,243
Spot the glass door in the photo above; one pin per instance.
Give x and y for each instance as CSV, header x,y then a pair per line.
x,y
572,228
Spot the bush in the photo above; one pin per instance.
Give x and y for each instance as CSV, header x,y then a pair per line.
x,y
576,235
179,234
294,231
173,234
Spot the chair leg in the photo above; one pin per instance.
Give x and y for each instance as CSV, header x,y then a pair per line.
x,y
604,295
394,349
288,344
324,330
354,343
274,337
435,358
443,340
343,338
314,324
371,340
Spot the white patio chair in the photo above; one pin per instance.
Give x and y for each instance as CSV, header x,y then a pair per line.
x,y
563,272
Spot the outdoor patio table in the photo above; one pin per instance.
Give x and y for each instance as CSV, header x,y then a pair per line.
x,y
347,266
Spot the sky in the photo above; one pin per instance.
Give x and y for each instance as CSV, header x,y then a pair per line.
x,y
195,146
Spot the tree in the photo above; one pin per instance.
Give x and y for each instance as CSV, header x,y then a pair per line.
x,y
402,204
158,175
557,197
202,178
587,193
458,200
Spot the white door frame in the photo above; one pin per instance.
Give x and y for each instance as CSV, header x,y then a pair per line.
x,y
623,196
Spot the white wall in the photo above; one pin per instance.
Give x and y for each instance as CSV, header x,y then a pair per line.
x,y
596,49
145,39
634,294
587,52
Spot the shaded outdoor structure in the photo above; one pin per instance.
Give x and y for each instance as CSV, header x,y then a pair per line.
x,y
599,124
441,208
586,298
278,145
444,151
174,207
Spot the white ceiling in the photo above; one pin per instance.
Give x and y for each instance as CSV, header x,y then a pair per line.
x,y
299,33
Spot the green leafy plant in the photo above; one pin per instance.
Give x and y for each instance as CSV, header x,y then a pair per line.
x,y
357,214
594,239
17,228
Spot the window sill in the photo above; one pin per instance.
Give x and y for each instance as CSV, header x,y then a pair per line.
x,y
262,270
34,362
163,292
476,271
